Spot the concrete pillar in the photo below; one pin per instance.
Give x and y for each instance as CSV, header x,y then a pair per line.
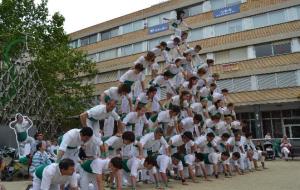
x,y
258,121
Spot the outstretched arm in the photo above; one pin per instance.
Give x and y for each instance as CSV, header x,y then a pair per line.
x,y
13,124
29,122
83,118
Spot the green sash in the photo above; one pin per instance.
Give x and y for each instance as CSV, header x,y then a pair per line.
x,y
39,171
222,145
181,158
175,25
154,117
104,138
124,165
141,104
205,158
106,99
209,144
210,98
24,160
86,166
128,83
22,136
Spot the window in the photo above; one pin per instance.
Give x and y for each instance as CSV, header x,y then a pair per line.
x,y
221,29
105,35
238,54
235,26
267,127
276,48
107,77
114,32
242,84
263,50
88,40
84,41
152,21
218,4
266,81
222,57
93,57
158,19
138,25
93,39
126,50
286,79
232,2
195,10
277,80
231,55
137,48
260,21
196,34
276,17
73,44
282,47
227,83
109,54
127,28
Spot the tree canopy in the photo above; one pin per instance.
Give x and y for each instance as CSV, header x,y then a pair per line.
x,y
57,64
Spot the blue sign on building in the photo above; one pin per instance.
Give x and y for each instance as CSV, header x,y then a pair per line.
x,y
158,28
227,11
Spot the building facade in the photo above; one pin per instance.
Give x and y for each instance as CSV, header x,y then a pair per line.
x,y
255,45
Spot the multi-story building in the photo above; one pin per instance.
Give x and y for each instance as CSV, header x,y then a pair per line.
x,y
255,45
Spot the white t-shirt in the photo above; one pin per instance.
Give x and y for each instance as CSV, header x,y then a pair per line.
x,y
192,90
52,176
114,142
139,121
164,162
129,151
71,139
108,128
143,98
131,76
188,124
159,52
237,145
112,92
176,140
197,108
204,91
204,145
99,113
176,101
149,142
135,164
100,166
22,127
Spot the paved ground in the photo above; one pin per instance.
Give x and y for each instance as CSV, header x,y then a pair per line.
x,y
281,175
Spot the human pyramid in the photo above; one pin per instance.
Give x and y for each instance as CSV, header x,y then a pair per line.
x,y
136,135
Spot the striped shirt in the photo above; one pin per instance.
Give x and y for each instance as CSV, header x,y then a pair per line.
x,y
39,158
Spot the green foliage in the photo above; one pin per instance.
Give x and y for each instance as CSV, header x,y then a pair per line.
x,y
58,65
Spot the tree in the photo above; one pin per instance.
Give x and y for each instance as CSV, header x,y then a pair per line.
x,y
60,67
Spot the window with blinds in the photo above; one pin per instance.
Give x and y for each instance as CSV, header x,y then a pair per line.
x,y
277,80
227,83
229,56
107,77
286,79
266,81
241,84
